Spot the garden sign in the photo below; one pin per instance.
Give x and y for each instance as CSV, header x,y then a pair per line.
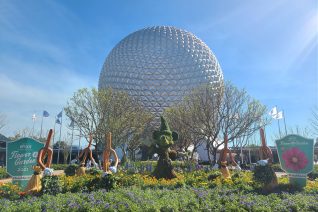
x,y
21,157
296,156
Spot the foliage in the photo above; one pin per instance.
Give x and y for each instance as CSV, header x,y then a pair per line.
x,y
51,185
93,171
208,114
314,121
164,139
138,199
173,155
314,174
77,183
107,182
276,167
214,175
59,166
64,148
263,174
70,170
9,191
3,173
106,110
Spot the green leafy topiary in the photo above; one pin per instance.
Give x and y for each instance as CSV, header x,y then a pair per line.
x,y
214,175
70,170
164,139
51,185
264,174
173,155
93,171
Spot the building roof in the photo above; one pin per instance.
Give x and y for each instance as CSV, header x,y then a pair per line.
x,y
3,138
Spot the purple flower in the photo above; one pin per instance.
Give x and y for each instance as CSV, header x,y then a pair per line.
x,y
107,205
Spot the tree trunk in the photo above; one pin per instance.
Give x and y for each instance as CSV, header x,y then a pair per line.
x,y
164,167
194,149
124,158
214,156
208,152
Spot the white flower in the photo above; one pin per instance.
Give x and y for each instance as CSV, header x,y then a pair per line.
x,y
238,168
48,172
216,166
262,162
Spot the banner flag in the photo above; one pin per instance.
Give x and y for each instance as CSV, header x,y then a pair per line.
x,y
60,114
58,121
279,115
45,113
273,111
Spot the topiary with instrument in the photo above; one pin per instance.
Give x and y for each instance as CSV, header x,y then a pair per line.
x,y
164,139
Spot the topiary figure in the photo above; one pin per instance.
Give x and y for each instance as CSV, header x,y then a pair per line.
x,y
264,172
173,155
164,139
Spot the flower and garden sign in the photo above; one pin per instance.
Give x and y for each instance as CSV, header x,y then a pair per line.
x,y
21,157
296,155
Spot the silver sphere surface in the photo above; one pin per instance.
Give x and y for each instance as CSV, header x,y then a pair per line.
x,y
159,66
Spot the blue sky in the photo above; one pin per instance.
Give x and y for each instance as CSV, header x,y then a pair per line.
x,y
49,49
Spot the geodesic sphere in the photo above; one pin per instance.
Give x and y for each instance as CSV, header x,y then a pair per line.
x,y
159,66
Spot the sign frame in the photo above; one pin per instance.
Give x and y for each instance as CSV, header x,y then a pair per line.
x,y
296,157
32,147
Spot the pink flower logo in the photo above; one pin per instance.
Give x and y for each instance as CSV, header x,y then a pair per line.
x,y
295,159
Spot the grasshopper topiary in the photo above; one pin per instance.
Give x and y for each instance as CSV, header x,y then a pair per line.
x,y
164,139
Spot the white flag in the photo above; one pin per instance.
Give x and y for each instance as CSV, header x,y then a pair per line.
x,y
273,112
33,117
279,115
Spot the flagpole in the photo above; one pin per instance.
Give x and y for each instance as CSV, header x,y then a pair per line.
x,y
41,127
54,134
71,144
280,135
79,143
59,144
33,119
284,122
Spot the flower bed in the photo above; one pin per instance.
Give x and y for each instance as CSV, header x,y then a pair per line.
x,y
180,199
190,191
3,173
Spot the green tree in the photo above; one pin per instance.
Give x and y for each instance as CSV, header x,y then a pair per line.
x,y
63,147
314,121
180,120
100,111
208,114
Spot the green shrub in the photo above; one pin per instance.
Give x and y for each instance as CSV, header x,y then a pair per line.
x,y
51,185
107,182
276,167
59,166
314,174
94,171
70,170
137,199
9,191
3,173
214,175
264,174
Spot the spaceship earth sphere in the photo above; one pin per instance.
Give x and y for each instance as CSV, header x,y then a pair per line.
x,y
159,66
